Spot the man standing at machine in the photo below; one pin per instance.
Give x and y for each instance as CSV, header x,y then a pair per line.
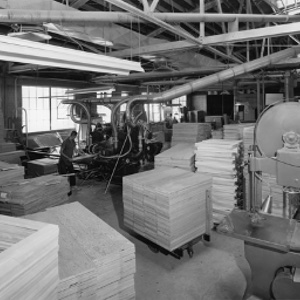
x,y
65,165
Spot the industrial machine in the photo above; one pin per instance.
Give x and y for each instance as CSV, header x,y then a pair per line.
x,y
272,242
107,158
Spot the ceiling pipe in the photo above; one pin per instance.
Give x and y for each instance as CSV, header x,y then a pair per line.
x,y
54,16
201,83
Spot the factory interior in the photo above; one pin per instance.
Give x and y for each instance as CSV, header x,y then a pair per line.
x,y
149,149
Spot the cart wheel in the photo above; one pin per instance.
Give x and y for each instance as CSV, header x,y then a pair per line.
x,y
206,237
190,252
154,249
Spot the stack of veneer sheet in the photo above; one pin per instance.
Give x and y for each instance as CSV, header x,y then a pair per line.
x,y
217,134
28,259
221,159
167,206
10,173
190,132
13,157
95,261
21,197
180,155
234,131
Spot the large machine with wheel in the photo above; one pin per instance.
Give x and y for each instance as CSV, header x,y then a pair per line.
x,y
272,242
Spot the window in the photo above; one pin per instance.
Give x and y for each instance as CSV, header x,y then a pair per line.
x,y
44,108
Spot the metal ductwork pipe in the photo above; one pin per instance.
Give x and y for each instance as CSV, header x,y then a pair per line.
x,y
88,118
204,82
73,16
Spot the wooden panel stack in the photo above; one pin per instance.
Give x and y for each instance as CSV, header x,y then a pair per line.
x,y
10,173
43,166
95,261
21,197
234,131
166,205
217,134
13,157
190,132
28,260
180,155
221,159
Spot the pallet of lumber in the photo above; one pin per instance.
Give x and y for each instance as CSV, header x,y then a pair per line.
x,y
181,156
10,173
167,205
95,261
26,196
222,160
190,132
13,157
28,259
217,134
43,166
235,131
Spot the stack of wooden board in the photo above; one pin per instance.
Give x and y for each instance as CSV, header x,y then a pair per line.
x,y
43,166
190,132
167,205
13,157
221,159
180,155
234,131
95,261
21,197
28,259
10,173
217,134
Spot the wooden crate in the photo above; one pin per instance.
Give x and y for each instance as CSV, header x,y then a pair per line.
x,y
28,259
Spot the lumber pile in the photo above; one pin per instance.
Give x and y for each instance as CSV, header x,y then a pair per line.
x,y
167,205
28,259
21,197
10,173
190,132
43,166
222,160
234,131
217,134
95,261
13,157
180,155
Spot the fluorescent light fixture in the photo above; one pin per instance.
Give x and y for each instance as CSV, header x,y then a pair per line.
x,y
22,51
89,90
31,36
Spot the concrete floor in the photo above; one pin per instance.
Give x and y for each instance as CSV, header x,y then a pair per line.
x,y
217,270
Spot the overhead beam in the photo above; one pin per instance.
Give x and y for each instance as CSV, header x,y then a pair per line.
x,y
54,16
154,20
78,3
239,36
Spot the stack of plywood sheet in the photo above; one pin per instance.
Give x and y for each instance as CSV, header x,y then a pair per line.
x,y
234,131
221,159
12,157
190,132
43,166
10,173
28,259
217,134
21,197
180,155
95,261
167,205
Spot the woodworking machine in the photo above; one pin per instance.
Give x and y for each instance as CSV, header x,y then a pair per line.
x,y
272,242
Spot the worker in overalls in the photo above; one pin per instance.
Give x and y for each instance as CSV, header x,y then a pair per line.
x,y
65,165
